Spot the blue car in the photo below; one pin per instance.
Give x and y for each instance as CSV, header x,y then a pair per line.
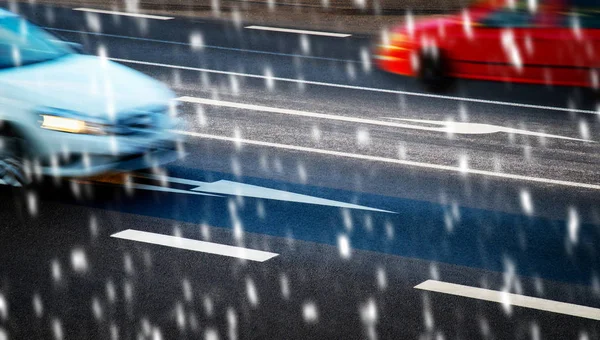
x,y
63,113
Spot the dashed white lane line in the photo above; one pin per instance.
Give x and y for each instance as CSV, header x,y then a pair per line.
x,y
510,299
439,126
213,47
449,168
289,30
361,88
195,245
128,14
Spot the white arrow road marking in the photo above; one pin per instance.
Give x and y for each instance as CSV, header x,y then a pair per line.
x,y
511,299
148,186
477,128
447,126
224,187
247,190
167,189
195,245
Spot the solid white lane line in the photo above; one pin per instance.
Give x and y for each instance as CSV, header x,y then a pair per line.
x,y
510,299
289,30
195,245
352,87
127,14
393,161
442,126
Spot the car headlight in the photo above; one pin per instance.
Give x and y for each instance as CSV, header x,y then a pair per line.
x,y
66,121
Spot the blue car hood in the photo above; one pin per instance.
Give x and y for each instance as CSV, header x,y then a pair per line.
x,y
89,85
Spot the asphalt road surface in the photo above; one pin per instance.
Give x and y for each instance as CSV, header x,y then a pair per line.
x,y
332,201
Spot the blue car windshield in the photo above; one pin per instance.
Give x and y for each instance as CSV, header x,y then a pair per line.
x,y
22,43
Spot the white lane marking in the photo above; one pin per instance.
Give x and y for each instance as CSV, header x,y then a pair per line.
x,y
289,30
447,126
510,299
128,14
225,187
393,161
478,129
195,245
361,88
243,50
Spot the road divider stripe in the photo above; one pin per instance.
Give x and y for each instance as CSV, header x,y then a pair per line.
x,y
128,14
422,165
290,30
510,299
195,245
360,88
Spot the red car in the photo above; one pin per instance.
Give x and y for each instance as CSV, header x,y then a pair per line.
x,y
552,42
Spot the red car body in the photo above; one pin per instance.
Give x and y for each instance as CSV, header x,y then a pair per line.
x,y
547,43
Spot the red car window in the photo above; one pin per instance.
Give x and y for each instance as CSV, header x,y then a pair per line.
x,y
582,19
507,17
